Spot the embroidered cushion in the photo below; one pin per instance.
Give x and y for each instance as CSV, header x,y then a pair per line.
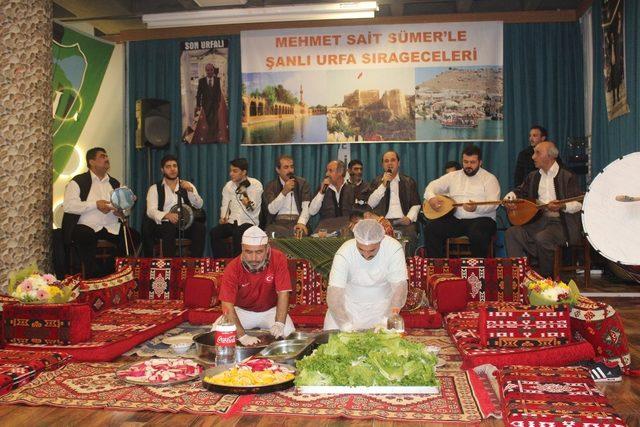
x,y
114,290
447,292
515,325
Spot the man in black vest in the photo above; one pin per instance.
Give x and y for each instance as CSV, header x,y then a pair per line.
x,y
287,198
335,199
395,197
161,197
88,213
559,224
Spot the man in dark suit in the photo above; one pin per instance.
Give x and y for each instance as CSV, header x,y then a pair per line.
x,y
208,99
524,164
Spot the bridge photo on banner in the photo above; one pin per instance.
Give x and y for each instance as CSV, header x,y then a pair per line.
x,y
383,83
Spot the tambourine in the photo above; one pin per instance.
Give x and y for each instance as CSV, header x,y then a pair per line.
x,y
122,198
185,218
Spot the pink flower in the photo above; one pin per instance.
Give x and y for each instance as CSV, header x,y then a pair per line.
x,y
42,295
50,278
26,285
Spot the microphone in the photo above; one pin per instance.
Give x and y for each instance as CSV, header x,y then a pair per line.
x,y
324,187
291,176
386,184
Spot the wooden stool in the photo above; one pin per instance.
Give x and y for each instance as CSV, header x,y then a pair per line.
x,y
183,243
460,247
574,250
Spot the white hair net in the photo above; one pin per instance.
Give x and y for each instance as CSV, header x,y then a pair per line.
x,y
368,231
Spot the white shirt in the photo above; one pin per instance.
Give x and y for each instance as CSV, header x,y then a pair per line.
x,y
88,210
170,199
316,203
395,208
483,186
547,190
286,205
367,283
232,207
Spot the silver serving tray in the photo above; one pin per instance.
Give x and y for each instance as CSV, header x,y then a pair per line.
x,y
287,351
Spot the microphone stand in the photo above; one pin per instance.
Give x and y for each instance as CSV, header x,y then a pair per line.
x,y
180,219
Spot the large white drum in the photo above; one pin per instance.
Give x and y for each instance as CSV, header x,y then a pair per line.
x,y
612,226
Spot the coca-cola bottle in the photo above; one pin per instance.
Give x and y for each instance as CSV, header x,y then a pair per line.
x,y
225,338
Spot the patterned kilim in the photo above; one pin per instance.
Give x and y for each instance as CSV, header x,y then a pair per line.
x,y
95,385
553,397
319,251
465,397
20,367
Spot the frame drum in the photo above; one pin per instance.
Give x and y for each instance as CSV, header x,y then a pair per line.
x,y
613,227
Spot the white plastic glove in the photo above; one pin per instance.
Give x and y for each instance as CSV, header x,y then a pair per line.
x,y
277,330
247,340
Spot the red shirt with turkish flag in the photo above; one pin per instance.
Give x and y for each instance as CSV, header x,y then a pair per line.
x,y
255,291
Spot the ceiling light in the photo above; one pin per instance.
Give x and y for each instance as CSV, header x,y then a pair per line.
x,y
307,12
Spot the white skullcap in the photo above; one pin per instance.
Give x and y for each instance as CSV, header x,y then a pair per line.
x,y
368,231
254,236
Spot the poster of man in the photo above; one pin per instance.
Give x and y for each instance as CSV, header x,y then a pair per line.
x,y
204,93
614,63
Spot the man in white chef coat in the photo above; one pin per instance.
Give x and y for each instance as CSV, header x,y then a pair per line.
x,y
368,279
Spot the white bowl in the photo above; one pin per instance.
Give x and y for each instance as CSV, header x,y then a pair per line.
x,y
181,348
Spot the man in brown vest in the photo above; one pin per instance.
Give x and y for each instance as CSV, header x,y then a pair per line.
x,y
287,200
334,200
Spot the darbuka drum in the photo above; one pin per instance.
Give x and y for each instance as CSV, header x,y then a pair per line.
x,y
611,226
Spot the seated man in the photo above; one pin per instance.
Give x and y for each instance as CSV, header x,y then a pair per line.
x,y
287,198
361,187
334,200
89,215
478,223
368,280
239,210
452,166
161,197
255,288
560,222
395,196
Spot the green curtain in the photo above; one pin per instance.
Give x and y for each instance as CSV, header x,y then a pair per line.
x,y
620,136
542,84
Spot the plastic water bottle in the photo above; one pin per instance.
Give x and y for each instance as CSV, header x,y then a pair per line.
x,y
225,339
395,321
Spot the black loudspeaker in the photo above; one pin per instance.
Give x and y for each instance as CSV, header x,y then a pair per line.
x,y
153,123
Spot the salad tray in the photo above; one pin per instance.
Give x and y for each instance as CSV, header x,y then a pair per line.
x,y
315,389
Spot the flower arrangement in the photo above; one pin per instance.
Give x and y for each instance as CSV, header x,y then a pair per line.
x,y
31,287
548,292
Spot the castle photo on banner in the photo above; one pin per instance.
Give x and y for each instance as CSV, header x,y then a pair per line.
x,y
382,83
204,91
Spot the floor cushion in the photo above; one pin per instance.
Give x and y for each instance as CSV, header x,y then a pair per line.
x,y
447,292
114,290
553,396
462,327
20,367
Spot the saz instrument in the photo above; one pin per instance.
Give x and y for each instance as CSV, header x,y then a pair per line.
x,y
448,204
525,210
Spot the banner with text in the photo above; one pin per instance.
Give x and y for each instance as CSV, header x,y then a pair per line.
x,y
400,83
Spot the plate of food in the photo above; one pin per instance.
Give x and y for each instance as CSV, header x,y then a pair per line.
x,y
252,376
160,372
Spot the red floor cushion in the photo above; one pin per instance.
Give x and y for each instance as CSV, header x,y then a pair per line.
x,y
119,329
46,324
114,290
520,325
18,367
543,396
599,324
201,290
462,327
447,292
